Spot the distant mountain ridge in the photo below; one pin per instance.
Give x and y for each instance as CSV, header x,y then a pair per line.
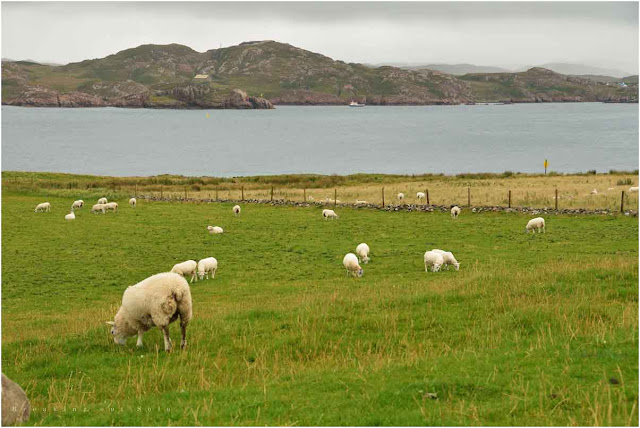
x,y
260,74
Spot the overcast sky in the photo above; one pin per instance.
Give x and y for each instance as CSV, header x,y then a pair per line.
x,y
603,34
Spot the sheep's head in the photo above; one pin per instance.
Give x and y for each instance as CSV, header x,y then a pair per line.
x,y
118,333
456,265
360,272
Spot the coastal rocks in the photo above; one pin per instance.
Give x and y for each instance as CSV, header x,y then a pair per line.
x,y
15,404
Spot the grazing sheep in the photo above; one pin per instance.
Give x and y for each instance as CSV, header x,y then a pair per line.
x,y
236,210
102,201
594,192
455,211
536,223
362,251
311,198
449,259
156,301
98,208
611,188
15,404
77,204
70,216
350,262
420,195
433,259
111,206
401,196
359,202
329,214
43,207
133,202
633,189
214,229
206,266
186,268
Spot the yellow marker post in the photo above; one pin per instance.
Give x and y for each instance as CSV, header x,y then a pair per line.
x,y
546,164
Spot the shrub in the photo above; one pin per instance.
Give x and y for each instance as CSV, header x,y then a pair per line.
x,y
624,182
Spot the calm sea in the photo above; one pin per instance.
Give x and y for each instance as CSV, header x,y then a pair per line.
x,y
326,140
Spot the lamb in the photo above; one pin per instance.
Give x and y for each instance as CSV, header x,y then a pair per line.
x,y
98,208
77,204
433,259
448,258
362,251
43,207
16,407
350,262
206,266
420,195
70,216
401,196
111,206
214,229
329,214
536,223
186,268
236,210
133,202
156,301
102,201
455,211
633,189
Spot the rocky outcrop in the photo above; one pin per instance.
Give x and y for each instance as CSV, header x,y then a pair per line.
x,y
15,404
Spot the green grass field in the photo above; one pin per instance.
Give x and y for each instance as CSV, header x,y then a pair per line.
x,y
530,331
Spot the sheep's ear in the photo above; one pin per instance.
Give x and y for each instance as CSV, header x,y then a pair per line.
x,y
110,322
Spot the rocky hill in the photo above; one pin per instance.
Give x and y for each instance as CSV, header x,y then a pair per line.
x,y
260,74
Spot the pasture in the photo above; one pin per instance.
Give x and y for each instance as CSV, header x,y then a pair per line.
x,y
535,329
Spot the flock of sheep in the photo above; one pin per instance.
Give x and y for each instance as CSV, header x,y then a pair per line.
x,y
163,298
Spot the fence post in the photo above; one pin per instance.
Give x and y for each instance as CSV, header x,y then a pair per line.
x,y
304,195
622,203
136,194
556,199
242,194
216,195
383,197
271,193
428,197
469,196
335,197
509,198
161,196
185,192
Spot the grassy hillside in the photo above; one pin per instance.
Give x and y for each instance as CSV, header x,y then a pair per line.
x,y
533,330
164,76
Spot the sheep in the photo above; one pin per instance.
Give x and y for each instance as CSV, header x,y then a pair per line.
x,y
449,259
133,202
362,251
236,210
329,214
77,204
186,268
420,195
455,211
633,189
102,201
594,192
214,229
206,266
70,216
359,202
98,208
43,207
156,301
433,259
401,196
350,262
536,223
111,206
15,404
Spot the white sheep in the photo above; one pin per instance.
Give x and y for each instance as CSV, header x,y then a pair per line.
x,y
448,258
70,216
16,407
214,229
43,207
359,202
98,208
77,204
133,202
433,259
102,201
186,268
633,189
329,214
362,251
236,210
111,206
350,262
420,195
455,211
536,223
401,196
156,301
594,192
206,266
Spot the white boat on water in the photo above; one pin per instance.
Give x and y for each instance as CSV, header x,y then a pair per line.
x,y
355,104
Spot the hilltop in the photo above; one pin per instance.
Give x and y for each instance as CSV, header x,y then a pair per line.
x,y
262,73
